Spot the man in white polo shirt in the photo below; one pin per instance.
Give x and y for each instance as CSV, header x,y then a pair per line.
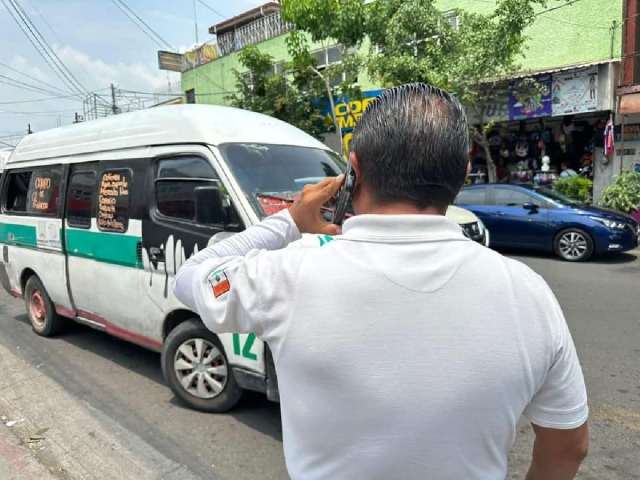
x,y
403,349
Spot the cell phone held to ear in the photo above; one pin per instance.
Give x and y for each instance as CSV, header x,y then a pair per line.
x,y
344,196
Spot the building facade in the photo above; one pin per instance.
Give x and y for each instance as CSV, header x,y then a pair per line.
x,y
574,49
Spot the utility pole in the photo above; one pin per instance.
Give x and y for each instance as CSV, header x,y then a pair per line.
x,y
195,21
114,107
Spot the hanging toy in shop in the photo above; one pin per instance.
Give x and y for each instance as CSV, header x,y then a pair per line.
x,y
608,139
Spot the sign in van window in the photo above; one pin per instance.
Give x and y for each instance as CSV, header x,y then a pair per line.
x,y
113,201
44,192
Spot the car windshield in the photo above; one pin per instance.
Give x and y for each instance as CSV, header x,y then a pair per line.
x,y
269,172
557,197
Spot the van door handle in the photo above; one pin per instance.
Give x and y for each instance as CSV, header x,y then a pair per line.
x,y
156,254
500,214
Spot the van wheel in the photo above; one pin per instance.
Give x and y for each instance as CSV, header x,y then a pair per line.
x,y
573,245
197,370
42,314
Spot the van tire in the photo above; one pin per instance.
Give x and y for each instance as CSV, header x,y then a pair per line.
x,y
185,333
41,311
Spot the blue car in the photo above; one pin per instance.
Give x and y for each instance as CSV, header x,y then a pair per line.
x,y
542,219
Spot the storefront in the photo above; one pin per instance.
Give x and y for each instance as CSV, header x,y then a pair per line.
x,y
546,123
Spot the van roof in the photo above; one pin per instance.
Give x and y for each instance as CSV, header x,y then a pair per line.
x,y
165,125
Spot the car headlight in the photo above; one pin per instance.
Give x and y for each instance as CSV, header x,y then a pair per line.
x,y
612,224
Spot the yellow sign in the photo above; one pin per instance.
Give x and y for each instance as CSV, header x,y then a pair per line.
x,y
347,114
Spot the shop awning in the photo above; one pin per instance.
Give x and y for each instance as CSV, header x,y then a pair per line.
x,y
575,66
630,103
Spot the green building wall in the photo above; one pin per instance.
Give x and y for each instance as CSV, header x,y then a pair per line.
x,y
573,34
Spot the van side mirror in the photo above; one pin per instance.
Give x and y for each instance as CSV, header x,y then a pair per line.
x,y
209,208
532,207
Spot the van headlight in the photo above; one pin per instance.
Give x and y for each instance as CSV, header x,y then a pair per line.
x,y
474,231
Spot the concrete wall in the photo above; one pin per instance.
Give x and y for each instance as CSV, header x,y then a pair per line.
x,y
573,34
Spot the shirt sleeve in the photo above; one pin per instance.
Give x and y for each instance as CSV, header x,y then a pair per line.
x,y
223,283
561,401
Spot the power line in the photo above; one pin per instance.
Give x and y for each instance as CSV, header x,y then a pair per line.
x,y
556,8
122,6
33,78
44,53
72,98
63,68
576,24
25,85
212,9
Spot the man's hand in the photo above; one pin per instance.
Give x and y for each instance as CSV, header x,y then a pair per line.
x,y
306,211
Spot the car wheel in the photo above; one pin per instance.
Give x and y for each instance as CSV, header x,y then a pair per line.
x,y
42,313
196,368
573,245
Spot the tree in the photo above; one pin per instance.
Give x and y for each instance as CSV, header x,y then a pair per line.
x,y
414,41
340,23
288,97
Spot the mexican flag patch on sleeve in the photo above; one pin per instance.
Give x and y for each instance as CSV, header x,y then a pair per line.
x,y
219,283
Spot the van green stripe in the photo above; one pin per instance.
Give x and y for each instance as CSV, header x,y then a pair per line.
x,y
22,235
113,248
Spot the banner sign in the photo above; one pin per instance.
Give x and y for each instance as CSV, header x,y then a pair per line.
x,y
199,56
575,91
631,133
349,112
530,97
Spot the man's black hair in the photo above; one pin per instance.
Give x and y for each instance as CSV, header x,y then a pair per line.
x,y
412,145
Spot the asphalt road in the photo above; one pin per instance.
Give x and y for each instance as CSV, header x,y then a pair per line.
x,y
123,383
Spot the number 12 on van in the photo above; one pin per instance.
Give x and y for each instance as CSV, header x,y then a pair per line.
x,y
219,283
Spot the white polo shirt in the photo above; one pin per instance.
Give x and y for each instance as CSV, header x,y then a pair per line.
x,y
403,349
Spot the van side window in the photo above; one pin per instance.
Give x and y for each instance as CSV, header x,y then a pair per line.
x,y
35,192
80,199
113,200
17,191
176,181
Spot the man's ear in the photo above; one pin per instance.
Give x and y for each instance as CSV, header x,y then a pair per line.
x,y
468,170
353,158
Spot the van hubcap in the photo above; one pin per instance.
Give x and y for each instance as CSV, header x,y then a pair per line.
x,y
201,368
38,310
572,245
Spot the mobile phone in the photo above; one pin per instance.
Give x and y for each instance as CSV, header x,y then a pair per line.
x,y
344,195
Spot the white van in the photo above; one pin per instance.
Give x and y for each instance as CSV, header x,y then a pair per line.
x,y
97,217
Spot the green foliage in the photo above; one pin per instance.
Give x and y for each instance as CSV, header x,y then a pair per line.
x,y
624,194
292,98
413,41
577,188
329,22
343,21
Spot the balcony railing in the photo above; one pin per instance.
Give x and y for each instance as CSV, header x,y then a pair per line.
x,y
255,32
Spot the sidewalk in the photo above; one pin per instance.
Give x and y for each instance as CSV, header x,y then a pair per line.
x,y
18,462
47,432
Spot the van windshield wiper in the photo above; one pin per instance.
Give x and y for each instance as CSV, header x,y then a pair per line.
x,y
290,200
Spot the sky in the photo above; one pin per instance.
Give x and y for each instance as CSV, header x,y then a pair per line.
x,y
100,46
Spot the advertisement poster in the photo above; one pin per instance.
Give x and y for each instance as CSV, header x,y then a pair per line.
x,y
575,91
348,113
530,97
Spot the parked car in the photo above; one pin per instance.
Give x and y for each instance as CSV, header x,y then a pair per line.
x,y
542,219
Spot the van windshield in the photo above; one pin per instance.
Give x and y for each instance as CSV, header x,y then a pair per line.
x,y
265,171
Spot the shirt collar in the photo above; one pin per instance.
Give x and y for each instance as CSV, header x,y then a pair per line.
x,y
400,228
